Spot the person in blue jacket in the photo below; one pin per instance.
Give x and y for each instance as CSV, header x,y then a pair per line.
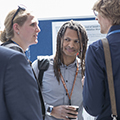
x,y
96,99
19,99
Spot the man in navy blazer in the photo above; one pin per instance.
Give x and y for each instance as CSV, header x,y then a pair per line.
x,y
19,96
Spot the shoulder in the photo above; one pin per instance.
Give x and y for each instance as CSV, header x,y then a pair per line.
x,y
95,49
9,57
95,54
50,58
97,45
9,53
42,60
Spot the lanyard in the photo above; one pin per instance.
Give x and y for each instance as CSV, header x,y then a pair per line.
x,y
63,81
115,31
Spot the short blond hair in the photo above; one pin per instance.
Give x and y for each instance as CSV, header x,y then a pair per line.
x,y
109,9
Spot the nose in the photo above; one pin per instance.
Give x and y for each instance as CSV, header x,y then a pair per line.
x,y
96,18
71,44
38,29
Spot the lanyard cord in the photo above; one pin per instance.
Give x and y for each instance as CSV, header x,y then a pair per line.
x,y
115,31
63,81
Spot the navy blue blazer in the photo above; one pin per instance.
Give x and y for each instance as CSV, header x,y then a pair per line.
x,y
96,99
19,96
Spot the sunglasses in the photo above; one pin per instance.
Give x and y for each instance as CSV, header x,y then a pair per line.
x,y
21,7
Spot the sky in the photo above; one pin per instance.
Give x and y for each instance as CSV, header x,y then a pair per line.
x,y
46,9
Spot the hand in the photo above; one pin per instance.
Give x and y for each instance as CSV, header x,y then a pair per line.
x,y
63,112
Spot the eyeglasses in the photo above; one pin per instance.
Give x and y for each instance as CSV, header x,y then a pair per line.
x,y
20,7
95,13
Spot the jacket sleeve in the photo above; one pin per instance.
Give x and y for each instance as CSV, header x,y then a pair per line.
x,y
21,90
93,90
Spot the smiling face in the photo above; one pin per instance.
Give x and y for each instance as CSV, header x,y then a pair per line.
x,y
28,32
70,44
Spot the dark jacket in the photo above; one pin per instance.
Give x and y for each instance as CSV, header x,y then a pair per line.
x,y
19,99
12,45
96,99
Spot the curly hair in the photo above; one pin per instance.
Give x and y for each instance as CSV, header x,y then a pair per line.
x,y
82,36
109,9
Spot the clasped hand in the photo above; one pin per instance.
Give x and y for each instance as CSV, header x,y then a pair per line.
x,y
64,112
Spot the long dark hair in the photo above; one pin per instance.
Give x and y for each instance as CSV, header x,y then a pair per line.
x,y
82,35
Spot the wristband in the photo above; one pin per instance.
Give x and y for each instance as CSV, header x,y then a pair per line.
x,y
49,110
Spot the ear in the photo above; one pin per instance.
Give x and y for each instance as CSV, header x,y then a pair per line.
x,y
16,27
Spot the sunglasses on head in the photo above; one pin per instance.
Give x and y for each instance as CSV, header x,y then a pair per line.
x,y
20,7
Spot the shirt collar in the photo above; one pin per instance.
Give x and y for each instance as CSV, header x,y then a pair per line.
x,y
113,28
72,64
20,49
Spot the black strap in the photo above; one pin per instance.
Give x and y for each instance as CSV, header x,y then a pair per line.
x,y
42,66
40,94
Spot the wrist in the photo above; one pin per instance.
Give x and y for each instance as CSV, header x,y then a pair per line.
x,y
49,110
